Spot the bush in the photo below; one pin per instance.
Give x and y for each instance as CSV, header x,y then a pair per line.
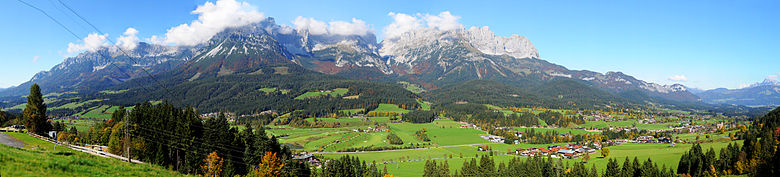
x,y
394,139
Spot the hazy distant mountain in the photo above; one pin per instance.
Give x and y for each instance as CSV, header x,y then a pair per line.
x,y
105,67
766,93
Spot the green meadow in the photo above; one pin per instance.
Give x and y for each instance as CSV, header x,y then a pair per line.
x,y
312,94
389,108
39,158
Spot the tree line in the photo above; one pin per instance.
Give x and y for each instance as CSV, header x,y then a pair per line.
x,y
179,139
756,157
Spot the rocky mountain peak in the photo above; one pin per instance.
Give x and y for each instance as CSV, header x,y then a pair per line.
x,y
402,49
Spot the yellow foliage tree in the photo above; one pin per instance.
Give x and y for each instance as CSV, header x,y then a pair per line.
x,y
270,165
388,175
212,165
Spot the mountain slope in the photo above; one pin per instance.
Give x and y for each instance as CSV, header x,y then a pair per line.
x,y
105,67
436,58
766,93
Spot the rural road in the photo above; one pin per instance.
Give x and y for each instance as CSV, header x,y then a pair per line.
x,y
8,140
402,149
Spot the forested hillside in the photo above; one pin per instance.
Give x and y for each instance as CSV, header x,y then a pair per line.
x,y
246,93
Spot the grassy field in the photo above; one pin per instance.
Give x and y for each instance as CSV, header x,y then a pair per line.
x,y
442,132
557,130
389,108
73,105
626,123
424,105
312,94
81,124
661,154
38,158
98,112
113,91
19,107
350,111
273,89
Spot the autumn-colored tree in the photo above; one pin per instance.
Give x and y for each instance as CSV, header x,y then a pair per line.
x,y
586,157
604,152
212,166
388,175
270,165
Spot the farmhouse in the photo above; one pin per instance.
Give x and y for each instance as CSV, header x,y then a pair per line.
x,y
645,139
313,161
621,141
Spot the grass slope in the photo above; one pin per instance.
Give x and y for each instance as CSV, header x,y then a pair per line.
x,y
39,158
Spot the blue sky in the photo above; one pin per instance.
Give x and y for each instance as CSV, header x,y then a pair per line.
x,y
711,43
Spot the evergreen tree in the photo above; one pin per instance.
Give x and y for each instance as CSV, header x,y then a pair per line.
x,y
627,169
430,169
487,165
594,171
35,112
637,167
444,169
612,169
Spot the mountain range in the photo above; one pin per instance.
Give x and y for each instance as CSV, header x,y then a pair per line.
x,y
766,93
429,57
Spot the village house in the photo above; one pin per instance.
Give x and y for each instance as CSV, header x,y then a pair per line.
x,y
621,141
645,139
310,158
664,140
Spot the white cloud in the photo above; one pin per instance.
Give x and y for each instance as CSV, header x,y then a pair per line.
x,y
129,41
155,39
357,27
213,18
741,86
316,27
35,59
92,42
445,21
679,78
403,23
773,77
284,29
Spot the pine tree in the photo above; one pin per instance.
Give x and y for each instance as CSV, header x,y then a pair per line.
x,y
683,165
487,165
594,171
35,112
3,117
430,169
612,169
637,167
627,169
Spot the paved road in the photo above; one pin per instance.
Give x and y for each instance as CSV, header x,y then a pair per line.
x,y
9,140
403,149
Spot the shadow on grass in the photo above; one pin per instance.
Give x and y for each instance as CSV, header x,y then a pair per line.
x,y
62,153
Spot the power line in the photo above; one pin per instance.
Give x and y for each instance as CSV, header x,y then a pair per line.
x,y
118,47
52,18
99,53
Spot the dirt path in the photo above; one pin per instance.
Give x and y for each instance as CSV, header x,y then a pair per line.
x,y
10,141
